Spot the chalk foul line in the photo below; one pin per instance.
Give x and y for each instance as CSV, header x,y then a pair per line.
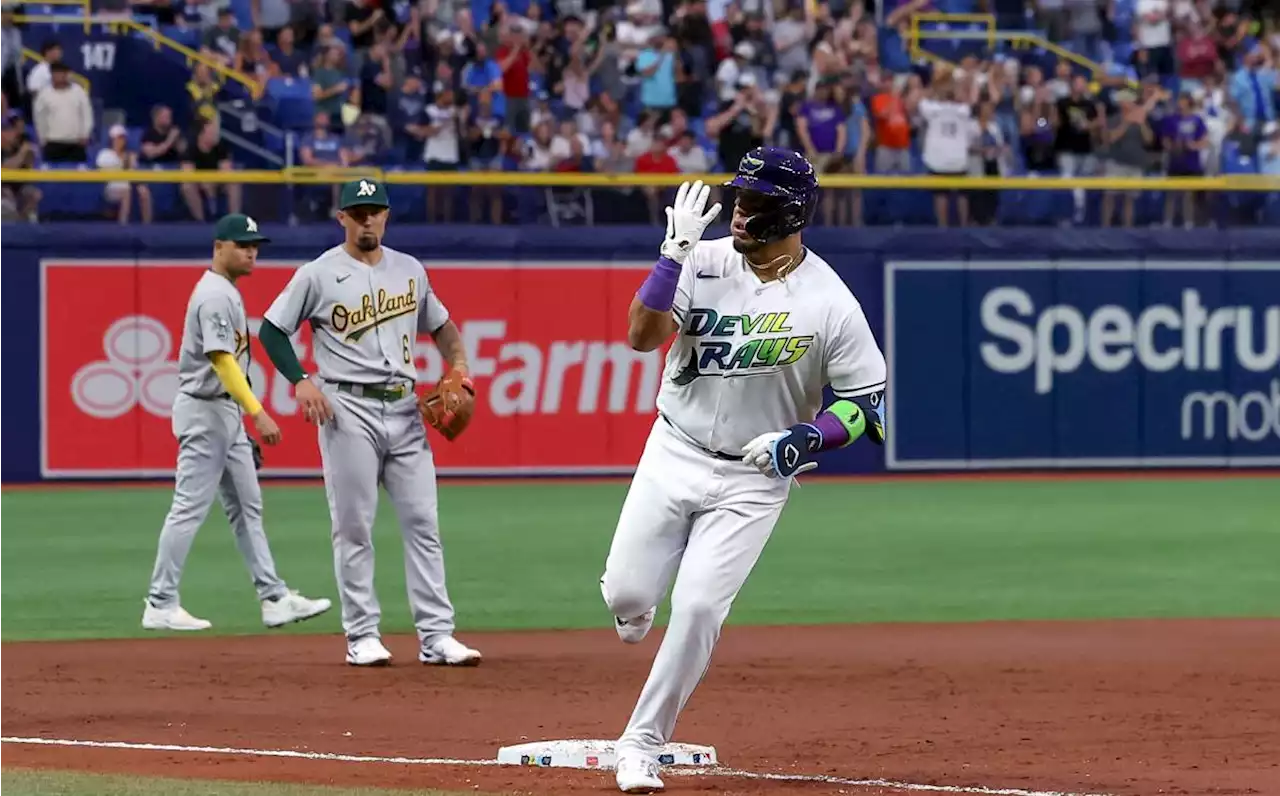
x,y
718,771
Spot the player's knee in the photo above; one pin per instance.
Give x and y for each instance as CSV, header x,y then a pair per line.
x,y
699,610
624,599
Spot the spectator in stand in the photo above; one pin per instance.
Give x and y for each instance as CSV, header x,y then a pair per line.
x,y
892,123
375,82
41,75
988,157
330,84
656,161
1127,139
732,68
1230,34
11,38
1039,127
791,35
609,152
288,60
656,66
689,157
21,200
515,58
119,195
741,124
64,118
484,74
252,58
209,153
577,160
1153,36
223,40
857,127
562,144
327,40
1052,17
1269,150
203,88
1253,87
319,149
1078,133
162,143
270,17
821,130
362,18
535,154
948,128
1085,21
1197,57
1185,140
485,139
440,129
368,139
411,100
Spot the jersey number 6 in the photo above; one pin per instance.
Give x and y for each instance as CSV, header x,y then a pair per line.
x,y
407,349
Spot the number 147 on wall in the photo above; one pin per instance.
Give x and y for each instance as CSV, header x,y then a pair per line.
x,y
98,55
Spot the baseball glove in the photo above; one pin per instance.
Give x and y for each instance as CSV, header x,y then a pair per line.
x,y
448,406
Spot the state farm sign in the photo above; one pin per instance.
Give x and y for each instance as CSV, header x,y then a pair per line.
x,y
546,367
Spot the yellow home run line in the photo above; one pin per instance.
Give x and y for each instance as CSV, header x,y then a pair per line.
x,y
445,761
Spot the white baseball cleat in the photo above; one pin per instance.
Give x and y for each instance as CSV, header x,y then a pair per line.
x,y
448,651
633,631
172,618
292,607
367,651
638,773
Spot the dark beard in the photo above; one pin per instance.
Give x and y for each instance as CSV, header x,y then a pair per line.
x,y
367,243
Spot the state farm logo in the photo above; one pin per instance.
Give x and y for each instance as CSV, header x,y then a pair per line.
x,y
137,370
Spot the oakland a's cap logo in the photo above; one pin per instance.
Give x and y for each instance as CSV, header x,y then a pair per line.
x,y
366,188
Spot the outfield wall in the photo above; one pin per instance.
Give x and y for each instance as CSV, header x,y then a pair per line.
x,y
1033,348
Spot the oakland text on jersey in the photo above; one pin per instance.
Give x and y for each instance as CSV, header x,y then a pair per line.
x,y
373,313
740,354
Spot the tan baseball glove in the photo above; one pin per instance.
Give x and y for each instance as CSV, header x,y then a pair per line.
x,y
448,406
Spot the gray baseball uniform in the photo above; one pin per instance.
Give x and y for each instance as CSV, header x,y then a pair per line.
x,y
214,453
365,321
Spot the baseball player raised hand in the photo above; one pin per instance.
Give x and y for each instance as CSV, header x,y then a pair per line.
x,y
686,220
761,325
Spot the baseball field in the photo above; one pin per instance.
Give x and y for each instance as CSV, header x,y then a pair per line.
x,y
1023,636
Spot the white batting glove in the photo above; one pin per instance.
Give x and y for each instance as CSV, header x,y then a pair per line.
x,y
686,220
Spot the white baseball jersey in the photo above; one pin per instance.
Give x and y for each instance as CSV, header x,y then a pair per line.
x,y
364,319
946,136
215,322
752,356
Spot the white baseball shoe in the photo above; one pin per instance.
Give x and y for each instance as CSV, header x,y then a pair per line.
x,y
638,773
367,651
171,618
633,631
292,607
448,651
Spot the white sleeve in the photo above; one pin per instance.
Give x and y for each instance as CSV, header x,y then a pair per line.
x,y
299,300
855,365
432,314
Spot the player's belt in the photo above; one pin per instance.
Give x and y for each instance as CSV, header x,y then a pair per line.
x,y
377,392
728,457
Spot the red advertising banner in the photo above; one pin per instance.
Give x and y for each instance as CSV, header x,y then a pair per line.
x,y
559,389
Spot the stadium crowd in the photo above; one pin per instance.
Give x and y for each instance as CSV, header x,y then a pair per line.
x,y
1189,88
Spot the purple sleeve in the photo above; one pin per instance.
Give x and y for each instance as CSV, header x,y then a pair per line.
x,y
658,292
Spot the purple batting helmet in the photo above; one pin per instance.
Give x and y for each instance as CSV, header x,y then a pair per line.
x,y
790,181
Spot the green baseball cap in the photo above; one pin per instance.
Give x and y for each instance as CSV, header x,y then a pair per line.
x,y
363,192
239,228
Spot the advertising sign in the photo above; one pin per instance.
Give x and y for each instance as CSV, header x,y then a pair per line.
x,y
1083,364
559,389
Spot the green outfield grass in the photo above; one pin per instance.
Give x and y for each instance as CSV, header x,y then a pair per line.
x,y
64,783
528,555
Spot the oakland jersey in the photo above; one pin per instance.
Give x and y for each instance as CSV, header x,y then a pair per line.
x,y
364,319
215,322
752,356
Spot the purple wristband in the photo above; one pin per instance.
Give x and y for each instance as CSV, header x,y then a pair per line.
x,y
833,432
659,290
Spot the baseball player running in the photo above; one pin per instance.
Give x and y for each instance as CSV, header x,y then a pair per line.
x,y
366,305
761,325
215,455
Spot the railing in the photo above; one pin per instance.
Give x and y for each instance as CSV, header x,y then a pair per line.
x,y
32,55
159,40
85,6
991,35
